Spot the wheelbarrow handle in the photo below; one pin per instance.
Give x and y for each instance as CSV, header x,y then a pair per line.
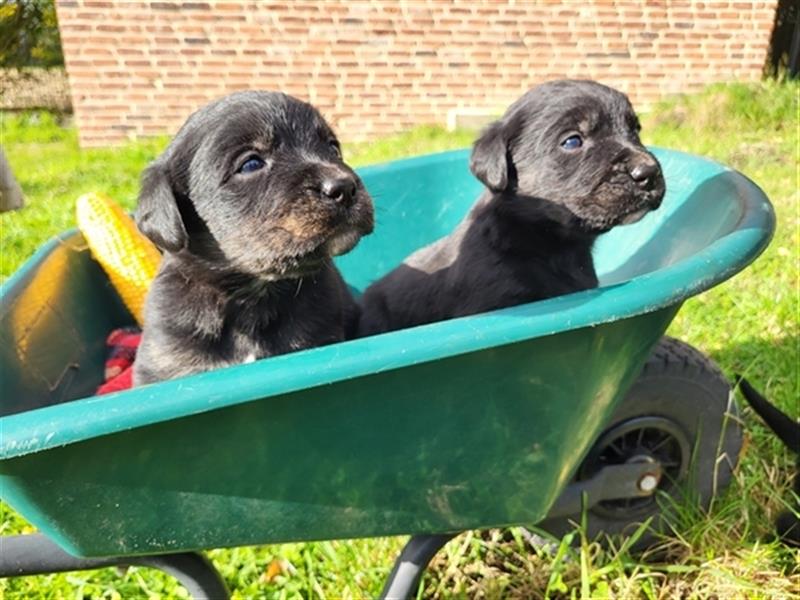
x,y
35,554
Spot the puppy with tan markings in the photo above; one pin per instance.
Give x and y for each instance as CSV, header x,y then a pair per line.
x,y
248,203
563,165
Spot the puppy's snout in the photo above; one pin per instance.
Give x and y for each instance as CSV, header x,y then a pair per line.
x,y
341,190
643,172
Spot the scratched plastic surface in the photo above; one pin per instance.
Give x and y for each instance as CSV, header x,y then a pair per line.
x,y
473,422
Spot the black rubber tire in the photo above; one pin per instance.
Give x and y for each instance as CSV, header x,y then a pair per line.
x,y
682,389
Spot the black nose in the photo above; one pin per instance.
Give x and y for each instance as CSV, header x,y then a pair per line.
x,y
643,172
341,190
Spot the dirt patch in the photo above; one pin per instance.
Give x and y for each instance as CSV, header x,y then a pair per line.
x,y
766,151
29,88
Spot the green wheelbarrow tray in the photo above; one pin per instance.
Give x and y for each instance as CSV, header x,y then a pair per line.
x,y
469,423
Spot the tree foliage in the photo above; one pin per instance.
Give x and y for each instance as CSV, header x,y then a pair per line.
x,y
29,34
784,43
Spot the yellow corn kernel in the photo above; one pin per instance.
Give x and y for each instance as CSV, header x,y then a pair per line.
x,y
129,259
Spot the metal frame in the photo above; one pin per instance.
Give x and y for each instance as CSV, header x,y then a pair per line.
x,y
411,564
35,554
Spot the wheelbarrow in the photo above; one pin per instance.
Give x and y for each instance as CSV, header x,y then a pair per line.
x,y
525,415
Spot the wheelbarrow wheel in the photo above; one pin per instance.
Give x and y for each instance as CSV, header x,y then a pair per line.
x,y
680,414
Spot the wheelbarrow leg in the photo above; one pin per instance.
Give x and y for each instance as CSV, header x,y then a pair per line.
x,y
409,566
195,572
35,554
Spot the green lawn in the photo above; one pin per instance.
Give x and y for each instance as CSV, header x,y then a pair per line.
x,y
748,325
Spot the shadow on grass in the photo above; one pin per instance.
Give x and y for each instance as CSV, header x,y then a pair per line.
x,y
771,365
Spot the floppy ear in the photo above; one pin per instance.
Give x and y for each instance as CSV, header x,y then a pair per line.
x,y
157,214
488,161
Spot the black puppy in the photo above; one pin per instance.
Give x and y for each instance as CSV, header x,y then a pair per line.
x,y
249,202
563,165
788,431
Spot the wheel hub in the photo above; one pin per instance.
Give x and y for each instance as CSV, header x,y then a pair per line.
x,y
650,439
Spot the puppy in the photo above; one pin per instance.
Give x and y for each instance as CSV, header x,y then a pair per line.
x,y
788,431
563,165
248,203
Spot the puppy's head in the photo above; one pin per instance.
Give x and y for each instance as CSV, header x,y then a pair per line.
x,y
574,147
255,183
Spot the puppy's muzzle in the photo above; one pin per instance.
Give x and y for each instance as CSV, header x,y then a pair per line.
x,y
340,190
346,203
643,173
646,174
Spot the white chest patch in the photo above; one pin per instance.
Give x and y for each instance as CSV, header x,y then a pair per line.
x,y
250,358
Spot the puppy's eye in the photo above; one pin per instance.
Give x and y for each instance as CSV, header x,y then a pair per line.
x,y
252,164
336,148
573,142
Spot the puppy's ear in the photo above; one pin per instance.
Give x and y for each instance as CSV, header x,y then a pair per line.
x,y
157,214
488,161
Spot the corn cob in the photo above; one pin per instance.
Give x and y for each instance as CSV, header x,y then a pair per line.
x,y
129,259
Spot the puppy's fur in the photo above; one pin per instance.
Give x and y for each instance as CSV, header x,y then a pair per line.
x,y
530,234
788,431
248,203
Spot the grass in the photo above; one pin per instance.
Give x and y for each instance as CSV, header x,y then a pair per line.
x,y
748,324
46,160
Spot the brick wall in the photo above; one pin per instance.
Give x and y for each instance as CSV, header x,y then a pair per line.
x,y
374,67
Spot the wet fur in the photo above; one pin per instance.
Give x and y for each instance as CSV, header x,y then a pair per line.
x,y
530,234
247,270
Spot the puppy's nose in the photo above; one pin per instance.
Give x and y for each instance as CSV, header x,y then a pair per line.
x,y
341,190
643,172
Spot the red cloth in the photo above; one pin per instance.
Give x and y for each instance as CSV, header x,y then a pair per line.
x,y
122,344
